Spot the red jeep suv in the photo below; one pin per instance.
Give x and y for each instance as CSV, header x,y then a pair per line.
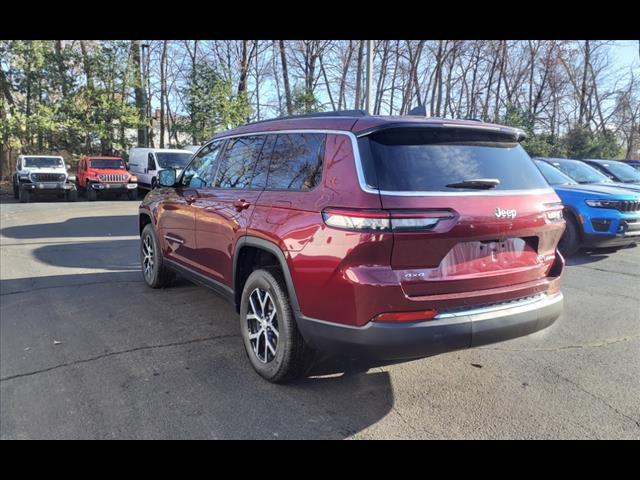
x,y
383,237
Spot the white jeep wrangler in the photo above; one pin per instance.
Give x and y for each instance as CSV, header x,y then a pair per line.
x,y
38,174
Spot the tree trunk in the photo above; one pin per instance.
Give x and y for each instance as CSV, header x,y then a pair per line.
x,y
285,77
163,90
358,99
139,94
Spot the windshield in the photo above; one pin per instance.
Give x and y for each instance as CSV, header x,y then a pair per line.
x,y
173,159
43,162
579,171
553,175
415,160
107,163
624,172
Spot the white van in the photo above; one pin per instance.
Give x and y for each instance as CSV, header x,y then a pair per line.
x,y
145,163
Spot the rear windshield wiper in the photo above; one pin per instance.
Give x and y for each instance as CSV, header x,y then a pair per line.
x,y
479,183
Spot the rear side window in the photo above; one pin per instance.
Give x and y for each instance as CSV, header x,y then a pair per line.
x,y
296,161
415,160
238,162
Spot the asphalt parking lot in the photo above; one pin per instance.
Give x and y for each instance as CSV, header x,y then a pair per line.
x,y
88,351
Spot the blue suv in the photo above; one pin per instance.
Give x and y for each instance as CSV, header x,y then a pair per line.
x,y
596,215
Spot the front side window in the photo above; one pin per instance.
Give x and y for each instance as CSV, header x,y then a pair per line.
x,y
202,169
43,162
296,161
238,162
107,163
430,160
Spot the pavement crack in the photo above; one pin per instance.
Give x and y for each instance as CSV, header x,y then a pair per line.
x,y
35,289
596,397
115,353
603,343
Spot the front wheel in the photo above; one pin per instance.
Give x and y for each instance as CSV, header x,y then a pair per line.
x,y
570,241
132,194
24,196
92,195
269,332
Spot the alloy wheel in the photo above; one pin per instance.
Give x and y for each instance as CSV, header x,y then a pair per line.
x,y
262,325
148,257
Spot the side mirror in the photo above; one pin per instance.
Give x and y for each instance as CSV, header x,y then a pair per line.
x,y
167,178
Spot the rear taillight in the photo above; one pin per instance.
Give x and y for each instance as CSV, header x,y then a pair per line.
x,y
385,220
419,316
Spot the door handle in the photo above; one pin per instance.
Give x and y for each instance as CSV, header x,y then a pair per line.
x,y
241,204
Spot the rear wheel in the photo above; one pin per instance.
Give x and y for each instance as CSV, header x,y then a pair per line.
x,y
570,241
270,335
24,196
155,274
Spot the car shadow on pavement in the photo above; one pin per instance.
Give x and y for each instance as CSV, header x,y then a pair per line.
x,y
99,226
593,255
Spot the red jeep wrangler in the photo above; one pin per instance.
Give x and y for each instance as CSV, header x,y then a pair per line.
x,y
368,236
107,175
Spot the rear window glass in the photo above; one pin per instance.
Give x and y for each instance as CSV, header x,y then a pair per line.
x,y
421,160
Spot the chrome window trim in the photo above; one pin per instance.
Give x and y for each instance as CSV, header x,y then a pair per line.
x,y
360,172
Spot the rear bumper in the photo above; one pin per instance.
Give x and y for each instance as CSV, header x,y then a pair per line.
x,y
447,332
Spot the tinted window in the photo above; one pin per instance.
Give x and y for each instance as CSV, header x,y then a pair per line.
x,y
200,172
422,160
151,163
173,159
296,161
261,171
239,161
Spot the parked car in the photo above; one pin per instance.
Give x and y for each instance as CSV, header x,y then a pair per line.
x,y
146,163
379,237
634,163
597,215
105,175
43,174
586,174
617,171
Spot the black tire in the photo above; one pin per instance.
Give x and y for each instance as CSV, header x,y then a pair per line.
x,y
292,356
24,196
570,242
16,190
92,195
154,183
132,194
158,275
72,195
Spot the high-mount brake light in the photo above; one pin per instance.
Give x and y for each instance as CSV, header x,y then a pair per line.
x,y
384,220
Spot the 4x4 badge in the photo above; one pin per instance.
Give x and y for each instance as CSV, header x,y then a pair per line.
x,y
506,213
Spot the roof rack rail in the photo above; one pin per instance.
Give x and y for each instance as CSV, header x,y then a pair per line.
x,y
336,113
